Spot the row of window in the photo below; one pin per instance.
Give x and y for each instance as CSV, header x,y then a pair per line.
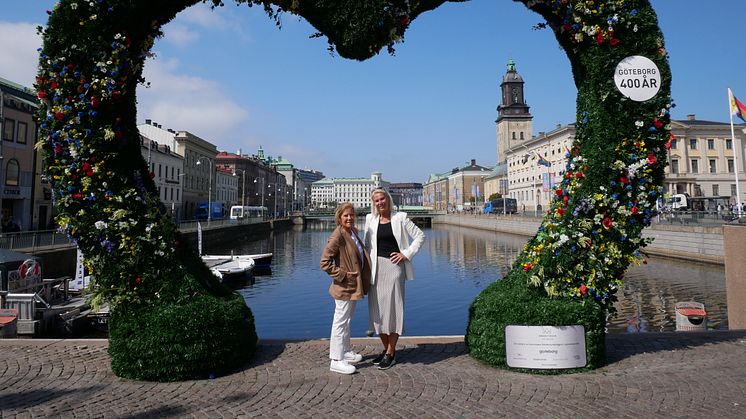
x,y
710,144
15,131
694,166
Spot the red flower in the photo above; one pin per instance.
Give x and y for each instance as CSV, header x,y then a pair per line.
x,y
561,211
176,243
579,175
600,38
671,137
77,195
624,179
658,124
138,280
583,289
59,116
42,94
614,42
565,198
634,210
527,266
568,175
53,85
95,102
652,159
116,94
608,223
152,175
559,192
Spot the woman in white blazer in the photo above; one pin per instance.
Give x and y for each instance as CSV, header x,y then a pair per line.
x,y
392,240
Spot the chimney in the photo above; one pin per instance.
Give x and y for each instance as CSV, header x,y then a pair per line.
x,y
691,117
473,162
148,121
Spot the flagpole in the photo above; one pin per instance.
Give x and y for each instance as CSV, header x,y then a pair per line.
x,y
736,150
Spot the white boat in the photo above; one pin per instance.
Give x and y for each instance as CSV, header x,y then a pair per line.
x,y
262,261
230,267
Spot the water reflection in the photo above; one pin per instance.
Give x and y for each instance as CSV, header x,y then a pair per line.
x,y
452,267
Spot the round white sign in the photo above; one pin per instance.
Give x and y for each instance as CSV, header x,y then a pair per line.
x,y
637,78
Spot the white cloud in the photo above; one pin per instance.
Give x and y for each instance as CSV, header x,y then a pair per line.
x,y
188,103
19,43
204,17
179,35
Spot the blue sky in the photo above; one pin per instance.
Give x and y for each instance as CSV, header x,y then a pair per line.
x,y
233,78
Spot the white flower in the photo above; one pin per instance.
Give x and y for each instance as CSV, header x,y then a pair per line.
x,y
100,225
639,124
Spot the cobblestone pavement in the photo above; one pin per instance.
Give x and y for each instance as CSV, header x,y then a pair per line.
x,y
648,375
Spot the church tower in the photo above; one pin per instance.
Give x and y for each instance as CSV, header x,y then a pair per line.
x,y
513,118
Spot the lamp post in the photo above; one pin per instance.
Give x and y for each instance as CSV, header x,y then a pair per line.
x,y
243,185
209,189
262,179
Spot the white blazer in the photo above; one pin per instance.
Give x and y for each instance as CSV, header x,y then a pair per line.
x,y
403,229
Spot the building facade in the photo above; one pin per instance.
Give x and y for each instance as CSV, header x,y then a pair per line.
x,y
328,193
21,173
167,169
407,194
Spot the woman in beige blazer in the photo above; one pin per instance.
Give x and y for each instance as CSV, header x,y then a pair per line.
x,y
348,263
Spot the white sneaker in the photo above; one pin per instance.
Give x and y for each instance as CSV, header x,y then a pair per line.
x,y
352,357
342,367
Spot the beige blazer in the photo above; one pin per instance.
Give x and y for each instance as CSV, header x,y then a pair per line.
x,y
403,229
341,256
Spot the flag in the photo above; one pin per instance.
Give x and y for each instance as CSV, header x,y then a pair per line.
x,y
736,107
542,161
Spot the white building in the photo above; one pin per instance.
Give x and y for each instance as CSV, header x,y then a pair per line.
x,y
329,192
167,168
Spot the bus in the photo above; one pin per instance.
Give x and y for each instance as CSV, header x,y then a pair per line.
x,y
240,212
502,206
217,213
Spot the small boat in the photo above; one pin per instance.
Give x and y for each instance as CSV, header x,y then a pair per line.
x,y
261,260
230,268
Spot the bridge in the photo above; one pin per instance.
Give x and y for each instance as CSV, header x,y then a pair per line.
x,y
419,215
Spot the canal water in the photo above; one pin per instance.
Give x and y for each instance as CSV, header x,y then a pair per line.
x,y
452,267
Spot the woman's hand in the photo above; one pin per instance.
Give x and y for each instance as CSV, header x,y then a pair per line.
x,y
397,258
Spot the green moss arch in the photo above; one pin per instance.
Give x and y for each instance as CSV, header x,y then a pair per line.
x,y
171,320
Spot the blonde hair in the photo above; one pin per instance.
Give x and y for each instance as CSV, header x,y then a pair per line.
x,y
341,209
373,209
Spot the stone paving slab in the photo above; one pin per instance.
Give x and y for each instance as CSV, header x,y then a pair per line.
x,y
666,375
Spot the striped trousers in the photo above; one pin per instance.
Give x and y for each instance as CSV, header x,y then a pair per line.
x,y
386,298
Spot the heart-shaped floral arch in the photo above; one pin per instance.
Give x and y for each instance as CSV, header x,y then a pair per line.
x,y
171,319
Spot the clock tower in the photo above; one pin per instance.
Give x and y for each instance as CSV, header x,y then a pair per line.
x,y
513,118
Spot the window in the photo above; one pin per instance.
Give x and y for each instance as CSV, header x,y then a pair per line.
x,y
513,134
521,135
730,166
674,166
695,166
710,144
715,190
11,173
692,143
674,143
729,144
22,133
733,189
713,166
9,126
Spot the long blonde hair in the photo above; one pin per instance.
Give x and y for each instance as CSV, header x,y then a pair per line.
x,y
373,209
341,209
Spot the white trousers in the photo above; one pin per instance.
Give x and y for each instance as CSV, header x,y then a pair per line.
x,y
339,343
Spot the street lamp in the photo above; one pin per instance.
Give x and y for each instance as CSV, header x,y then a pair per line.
x,y
262,179
243,185
209,189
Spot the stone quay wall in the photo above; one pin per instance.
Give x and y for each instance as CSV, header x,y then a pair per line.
x,y
693,243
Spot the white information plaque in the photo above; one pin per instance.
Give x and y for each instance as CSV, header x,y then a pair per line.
x,y
637,78
545,347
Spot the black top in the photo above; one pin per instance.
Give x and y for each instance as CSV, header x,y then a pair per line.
x,y
386,240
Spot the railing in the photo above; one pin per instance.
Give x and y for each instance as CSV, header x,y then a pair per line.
x,y
32,241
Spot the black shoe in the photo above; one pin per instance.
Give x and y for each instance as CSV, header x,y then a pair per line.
x,y
387,362
377,360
